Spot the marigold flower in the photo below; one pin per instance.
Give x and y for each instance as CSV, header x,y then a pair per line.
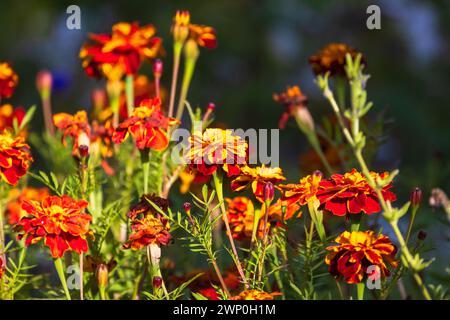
x,y
59,221
16,197
216,148
302,192
241,213
180,26
255,295
8,115
15,157
358,250
75,126
257,178
147,224
204,36
148,230
121,52
144,207
294,102
8,80
191,176
350,193
331,58
291,210
147,125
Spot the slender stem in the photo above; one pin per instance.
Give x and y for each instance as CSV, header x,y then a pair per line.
x,y
145,154
409,258
60,270
219,275
157,86
264,240
411,223
176,66
189,68
155,271
314,142
129,91
360,290
355,221
102,291
219,190
115,110
81,278
47,109
255,228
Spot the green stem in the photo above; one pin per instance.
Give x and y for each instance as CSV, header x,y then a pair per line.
x,y
189,68
317,220
340,90
360,290
115,110
102,291
355,221
314,142
145,160
60,270
411,223
176,66
219,190
129,91
155,271
409,258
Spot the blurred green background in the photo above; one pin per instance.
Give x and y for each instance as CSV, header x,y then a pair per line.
x,y
264,46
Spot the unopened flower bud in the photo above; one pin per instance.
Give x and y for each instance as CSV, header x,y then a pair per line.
x,y
180,27
211,107
304,118
416,197
157,68
422,235
157,282
187,208
102,275
83,150
269,191
191,50
44,81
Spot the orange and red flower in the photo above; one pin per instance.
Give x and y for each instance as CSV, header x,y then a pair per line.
x,y
15,157
241,213
147,224
256,178
59,221
294,102
8,80
358,250
350,193
291,210
204,36
331,58
147,125
216,148
255,295
121,52
16,197
302,192
8,115
75,126
183,29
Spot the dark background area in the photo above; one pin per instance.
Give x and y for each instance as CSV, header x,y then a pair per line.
x,y
264,46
